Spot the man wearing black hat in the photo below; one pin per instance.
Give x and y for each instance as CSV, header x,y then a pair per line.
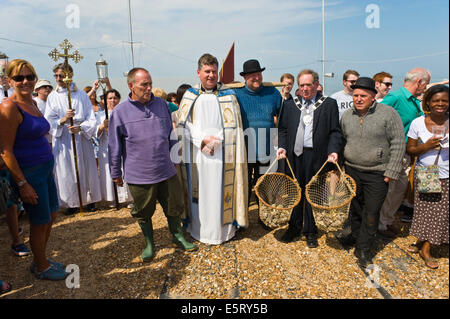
x,y
309,135
260,106
375,144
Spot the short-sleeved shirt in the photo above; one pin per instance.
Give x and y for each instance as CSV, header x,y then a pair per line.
x,y
344,101
419,131
406,105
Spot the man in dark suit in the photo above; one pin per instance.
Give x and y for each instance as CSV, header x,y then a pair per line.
x,y
308,135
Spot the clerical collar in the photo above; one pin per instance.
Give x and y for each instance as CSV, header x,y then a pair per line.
x,y
73,88
205,91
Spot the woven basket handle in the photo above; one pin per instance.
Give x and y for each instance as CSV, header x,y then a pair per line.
x,y
342,174
345,180
289,164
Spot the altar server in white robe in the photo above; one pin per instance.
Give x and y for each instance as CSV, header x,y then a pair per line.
x,y
58,115
106,182
214,165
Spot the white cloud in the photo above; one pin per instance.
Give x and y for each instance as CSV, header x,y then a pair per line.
x,y
171,34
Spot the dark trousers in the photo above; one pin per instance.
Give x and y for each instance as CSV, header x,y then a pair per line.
x,y
302,215
371,190
167,193
253,175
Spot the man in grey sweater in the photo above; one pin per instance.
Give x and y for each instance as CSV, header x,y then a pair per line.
x,y
375,144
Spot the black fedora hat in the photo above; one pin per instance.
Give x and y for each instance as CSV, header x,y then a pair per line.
x,y
251,66
365,83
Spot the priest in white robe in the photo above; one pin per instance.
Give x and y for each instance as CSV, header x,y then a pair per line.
x,y
58,115
214,166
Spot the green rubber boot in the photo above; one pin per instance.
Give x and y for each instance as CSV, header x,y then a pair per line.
x,y
177,232
147,230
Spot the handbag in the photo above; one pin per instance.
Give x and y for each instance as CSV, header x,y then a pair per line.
x,y
428,177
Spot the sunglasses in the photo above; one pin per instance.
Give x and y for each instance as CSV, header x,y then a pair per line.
x,y
58,75
387,83
352,81
46,87
20,78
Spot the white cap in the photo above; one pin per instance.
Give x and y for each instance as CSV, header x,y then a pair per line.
x,y
41,83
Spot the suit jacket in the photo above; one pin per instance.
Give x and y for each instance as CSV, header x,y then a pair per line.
x,y
327,134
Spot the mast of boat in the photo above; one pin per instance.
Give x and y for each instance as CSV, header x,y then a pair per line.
x,y
323,45
131,34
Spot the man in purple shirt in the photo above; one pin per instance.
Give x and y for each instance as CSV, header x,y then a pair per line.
x,y
139,138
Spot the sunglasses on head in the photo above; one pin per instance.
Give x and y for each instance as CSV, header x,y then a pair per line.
x,y
387,83
20,78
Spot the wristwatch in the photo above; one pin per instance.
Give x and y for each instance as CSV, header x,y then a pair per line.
x,y
21,183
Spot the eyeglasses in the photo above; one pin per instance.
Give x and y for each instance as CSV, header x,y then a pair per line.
x,y
20,78
387,83
46,87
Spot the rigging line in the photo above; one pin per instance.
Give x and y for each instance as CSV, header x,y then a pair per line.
x,y
169,53
294,66
28,43
395,60
50,46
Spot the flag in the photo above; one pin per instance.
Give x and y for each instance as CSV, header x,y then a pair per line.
x,y
227,70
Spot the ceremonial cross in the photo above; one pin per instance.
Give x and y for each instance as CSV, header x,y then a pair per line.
x,y
55,55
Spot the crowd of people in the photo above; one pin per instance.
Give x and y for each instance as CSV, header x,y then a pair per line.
x,y
199,151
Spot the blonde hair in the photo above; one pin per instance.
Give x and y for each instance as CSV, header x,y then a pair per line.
x,y
158,92
15,66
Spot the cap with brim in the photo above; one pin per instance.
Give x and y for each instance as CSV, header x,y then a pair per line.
x,y
365,83
42,83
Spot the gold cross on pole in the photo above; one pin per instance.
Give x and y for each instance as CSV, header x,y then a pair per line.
x,y
56,55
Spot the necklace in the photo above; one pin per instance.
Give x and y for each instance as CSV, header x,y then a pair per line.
x,y
307,117
306,112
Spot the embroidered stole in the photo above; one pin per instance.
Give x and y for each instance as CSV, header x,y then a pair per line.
x,y
230,126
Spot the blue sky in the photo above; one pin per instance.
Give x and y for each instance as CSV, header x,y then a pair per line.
x,y
284,35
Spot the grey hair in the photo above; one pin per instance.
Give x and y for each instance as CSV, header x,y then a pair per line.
x,y
132,73
422,74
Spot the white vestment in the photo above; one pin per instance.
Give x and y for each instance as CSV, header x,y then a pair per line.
x,y
206,216
40,104
65,176
106,182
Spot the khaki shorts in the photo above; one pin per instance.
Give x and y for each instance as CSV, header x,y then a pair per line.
x,y
168,193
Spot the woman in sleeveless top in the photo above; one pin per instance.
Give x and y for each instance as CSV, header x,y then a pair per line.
x,y
28,156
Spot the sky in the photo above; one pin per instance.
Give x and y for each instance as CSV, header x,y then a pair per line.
x,y
285,36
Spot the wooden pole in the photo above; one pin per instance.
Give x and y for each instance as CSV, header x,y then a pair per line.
x,y
74,145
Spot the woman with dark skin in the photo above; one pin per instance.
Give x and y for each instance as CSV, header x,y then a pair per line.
x,y
435,105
